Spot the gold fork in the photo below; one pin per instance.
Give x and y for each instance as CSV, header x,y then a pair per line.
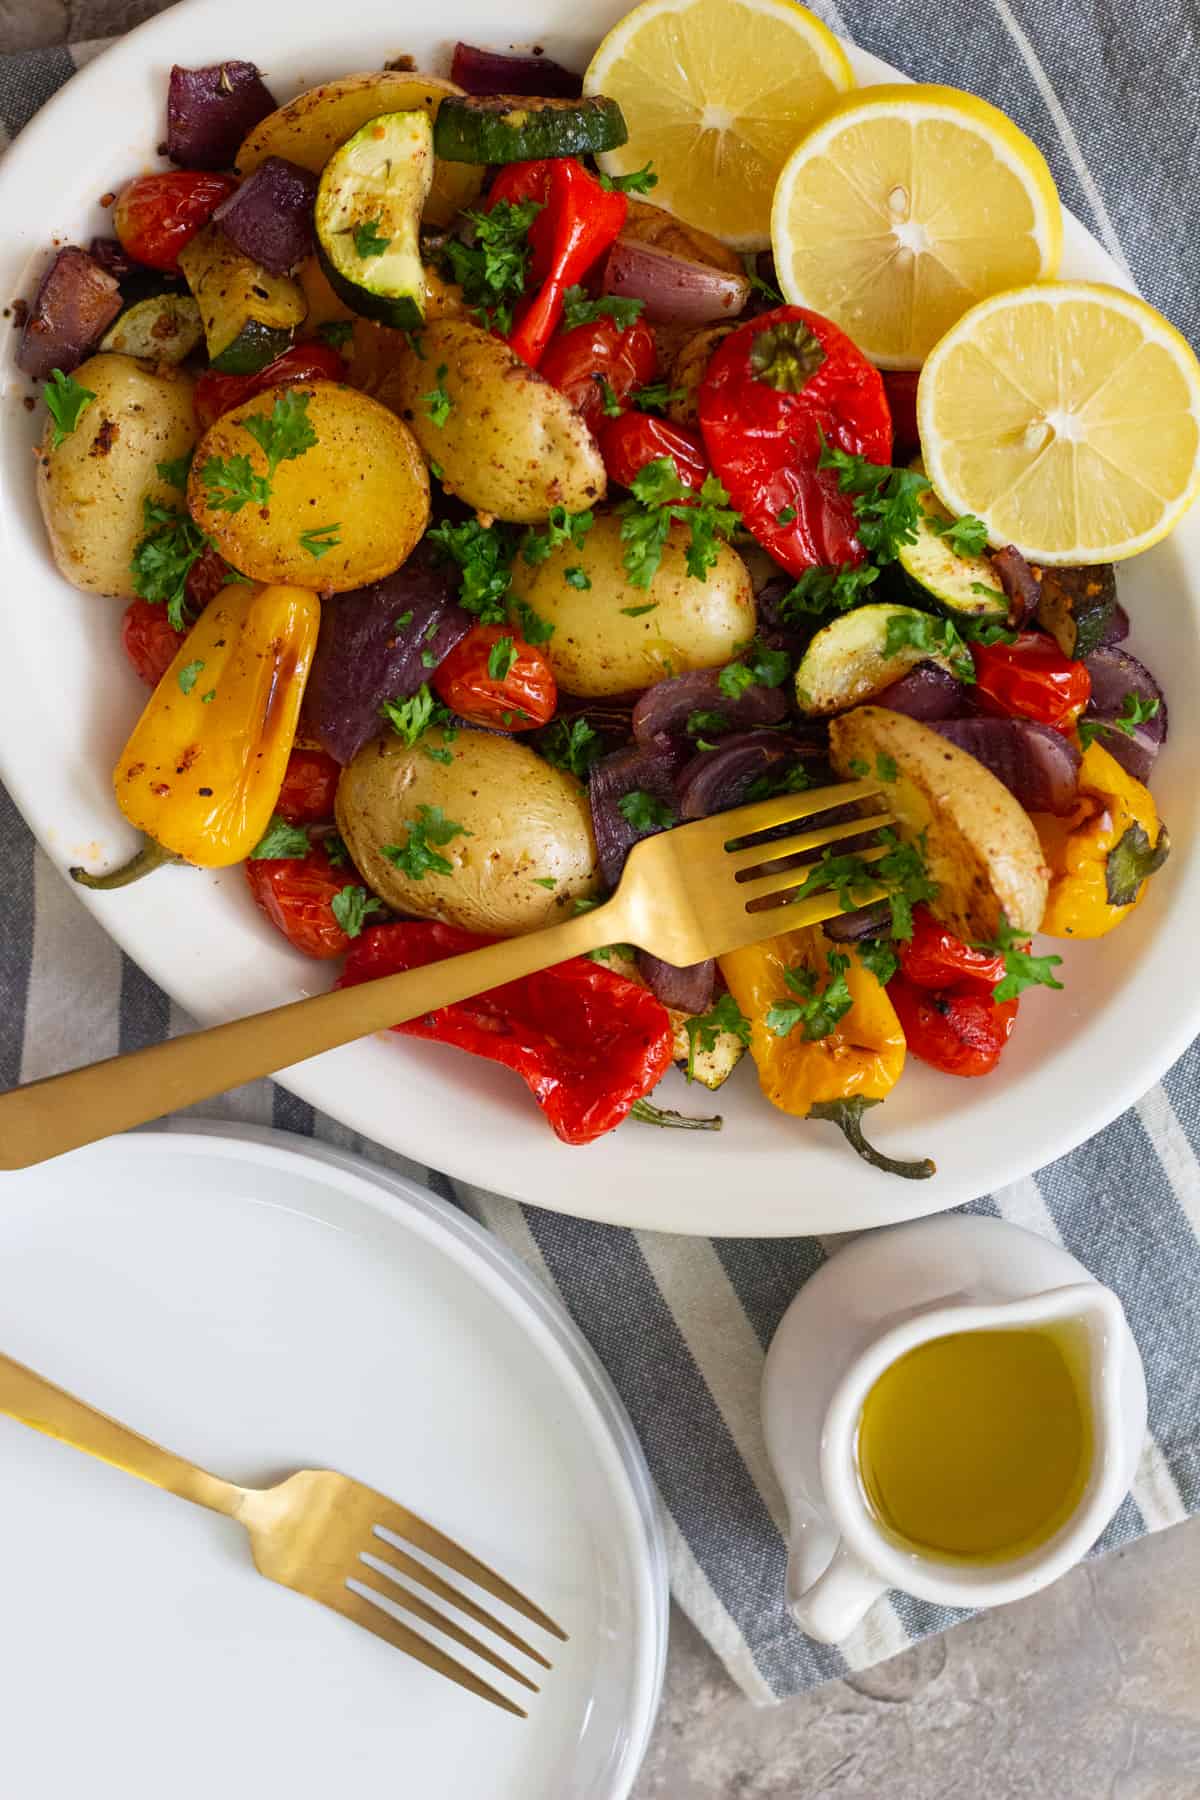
x,y
309,1533
685,895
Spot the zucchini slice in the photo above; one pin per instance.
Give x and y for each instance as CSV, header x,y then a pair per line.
x,y
165,328
1075,606
847,661
368,218
504,128
711,1068
249,315
961,586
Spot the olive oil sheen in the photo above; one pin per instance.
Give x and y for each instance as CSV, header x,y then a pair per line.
x,y
977,1446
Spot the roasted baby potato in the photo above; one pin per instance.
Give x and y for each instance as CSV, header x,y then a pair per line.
x,y
345,511
312,126
509,444
979,843
610,636
91,487
521,823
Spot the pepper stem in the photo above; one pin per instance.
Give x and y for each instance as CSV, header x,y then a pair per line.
x,y
656,1115
847,1116
144,861
786,356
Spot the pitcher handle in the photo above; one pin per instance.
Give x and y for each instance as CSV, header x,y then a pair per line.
x,y
837,1601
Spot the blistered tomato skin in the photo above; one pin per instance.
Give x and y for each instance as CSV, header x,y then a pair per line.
x,y
156,215
627,444
309,785
576,361
297,893
149,640
1031,679
520,698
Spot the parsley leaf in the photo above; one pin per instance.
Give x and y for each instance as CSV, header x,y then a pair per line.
x,y
66,401
819,1010
886,500
1021,970
636,612
571,744
900,871
549,882
281,840
643,812
885,767
352,906
706,724
935,637
656,396
409,718
492,270
1131,861
415,857
640,181
286,433
758,666
656,493
535,629
484,553
785,515
437,402
562,527
367,241
188,676
501,657
966,536
827,589
760,285
1134,712
784,778
877,955
577,578
336,332
610,406
175,473
231,483
580,309
319,539
163,559
703,1029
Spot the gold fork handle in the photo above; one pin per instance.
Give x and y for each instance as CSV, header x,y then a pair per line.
x,y
61,1112
36,1402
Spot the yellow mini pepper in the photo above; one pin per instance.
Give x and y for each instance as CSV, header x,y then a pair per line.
x,y
1102,851
202,770
835,1077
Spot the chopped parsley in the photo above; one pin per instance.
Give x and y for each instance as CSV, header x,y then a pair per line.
x,y
550,882
784,778
352,906
818,1009
827,589
886,500
484,553
1131,861
656,493
706,724
900,871
885,767
367,241
610,406
760,285
571,744
561,527
66,401
966,536
188,676
643,812
437,402
758,666
415,857
336,332
281,840
635,612
282,436
877,955
577,578
580,309
492,270
501,657
410,719
785,515
1021,970
933,637
639,181
319,539
656,396
535,629
1134,712
703,1029
163,559
175,473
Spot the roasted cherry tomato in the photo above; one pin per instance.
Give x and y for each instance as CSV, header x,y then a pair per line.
x,y
156,215
959,1029
297,894
627,444
205,579
775,390
934,958
577,360
1031,679
149,639
309,785
492,677
215,394
900,386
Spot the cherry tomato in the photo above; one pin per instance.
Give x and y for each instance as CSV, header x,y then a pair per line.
x,y
205,579
309,784
959,1029
310,360
149,639
297,893
900,386
627,444
1031,679
575,358
523,696
156,215
934,958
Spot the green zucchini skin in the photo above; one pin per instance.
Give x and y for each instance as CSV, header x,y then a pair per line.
x,y
504,128
962,587
1075,606
163,328
372,191
846,664
250,316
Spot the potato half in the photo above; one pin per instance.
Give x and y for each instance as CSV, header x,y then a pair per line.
x,y
525,851
980,845
363,483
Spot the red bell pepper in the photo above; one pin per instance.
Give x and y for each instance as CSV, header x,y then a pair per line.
x,y
775,388
1031,679
627,444
586,1042
960,1029
934,958
578,221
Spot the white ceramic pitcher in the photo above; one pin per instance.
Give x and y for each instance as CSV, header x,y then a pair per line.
x,y
872,1303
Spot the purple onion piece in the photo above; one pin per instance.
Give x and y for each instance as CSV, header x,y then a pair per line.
x,y
1117,629
669,705
676,291
927,692
111,256
688,989
76,301
853,927
717,779
365,655
1115,673
1036,764
210,110
649,769
489,72
269,218
1019,583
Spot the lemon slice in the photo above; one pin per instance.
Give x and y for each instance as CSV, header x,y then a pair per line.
x,y
716,93
905,206
1066,417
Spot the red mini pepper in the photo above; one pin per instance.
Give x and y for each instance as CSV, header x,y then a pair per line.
x,y
309,360
1031,679
578,221
586,1042
775,388
960,1029
627,444
934,958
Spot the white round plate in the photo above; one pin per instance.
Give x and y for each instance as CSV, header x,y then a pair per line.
x,y
67,701
261,1310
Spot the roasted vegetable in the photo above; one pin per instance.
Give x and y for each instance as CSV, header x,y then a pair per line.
x,y
157,216
165,328
490,72
1100,854
249,315
1076,606
76,300
269,218
961,585
509,128
210,110
368,218
855,658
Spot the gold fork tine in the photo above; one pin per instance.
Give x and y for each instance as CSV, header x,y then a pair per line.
x,y
756,854
412,1603
372,1618
415,1530
779,879
399,1562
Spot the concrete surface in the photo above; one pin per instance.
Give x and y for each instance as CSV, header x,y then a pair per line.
x,y
1089,1691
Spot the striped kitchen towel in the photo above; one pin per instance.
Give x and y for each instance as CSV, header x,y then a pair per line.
x,y
683,1324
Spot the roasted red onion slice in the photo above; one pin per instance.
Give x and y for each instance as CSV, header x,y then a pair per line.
x,y
1116,675
687,990
489,72
648,769
669,705
676,291
269,218
210,110
926,692
853,927
1019,583
717,779
76,301
1037,765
